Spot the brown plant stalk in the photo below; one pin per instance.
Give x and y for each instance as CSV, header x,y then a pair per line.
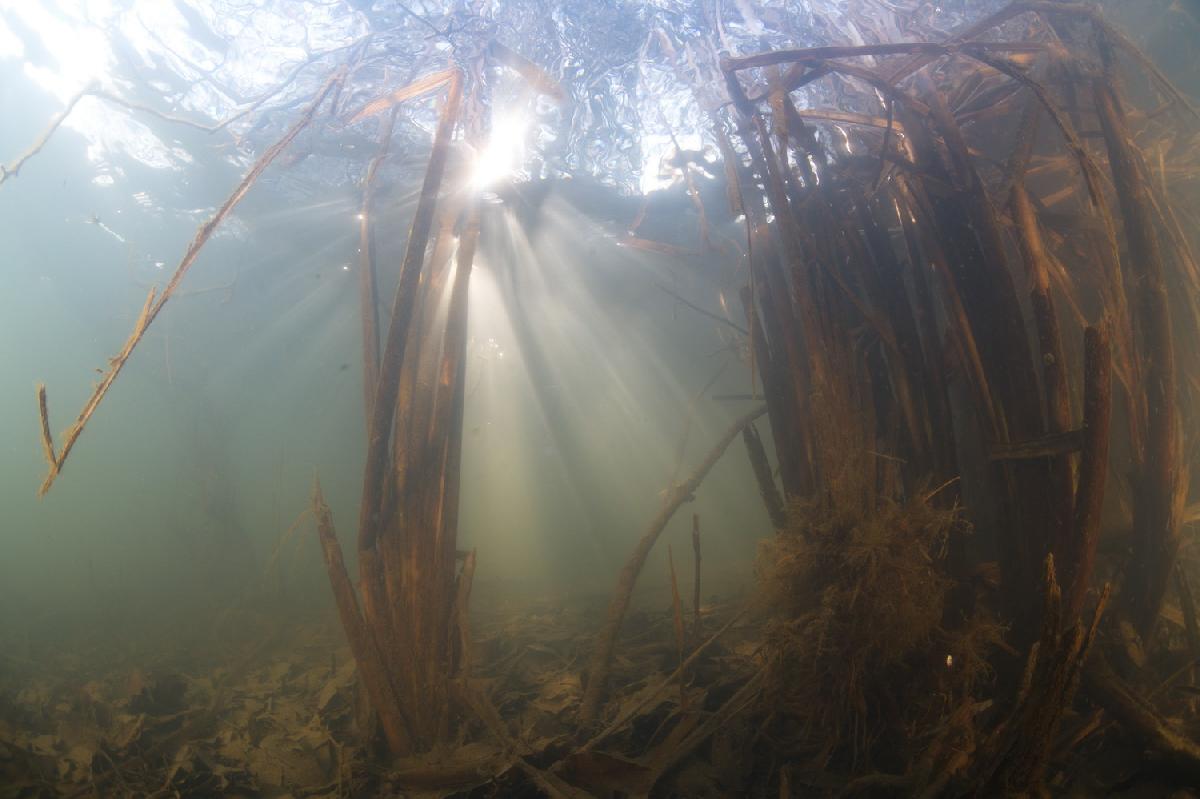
x,y
155,301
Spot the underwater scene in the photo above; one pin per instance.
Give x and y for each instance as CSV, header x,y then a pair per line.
x,y
599,398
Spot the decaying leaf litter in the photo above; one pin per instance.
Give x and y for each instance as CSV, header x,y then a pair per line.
x,y
970,306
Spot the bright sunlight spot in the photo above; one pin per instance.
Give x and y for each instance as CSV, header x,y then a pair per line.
x,y
504,152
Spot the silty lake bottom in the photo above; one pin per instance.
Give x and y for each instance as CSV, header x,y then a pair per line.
x,y
599,399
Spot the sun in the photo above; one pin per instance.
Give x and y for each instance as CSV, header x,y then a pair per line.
x,y
504,152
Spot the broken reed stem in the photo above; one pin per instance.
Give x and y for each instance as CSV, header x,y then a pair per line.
x,y
462,604
47,438
13,169
537,78
733,706
1080,554
1044,8
277,552
698,204
696,576
816,56
1187,605
623,719
1139,718
418,87
687,421
1161,482
362,642
967,349
762,475
154,304
383,405
677,620
368,292
72,433
1114,292
885,146
811,360
606,640
702,311
1053,361
1051,446
1051,358
1091,173
1012,761
834,115
965,344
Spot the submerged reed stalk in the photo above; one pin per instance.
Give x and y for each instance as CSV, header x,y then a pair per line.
x,y
1162,483
606,640
155,302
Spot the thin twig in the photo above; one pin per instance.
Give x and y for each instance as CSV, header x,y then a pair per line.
x,y
11,170
47,438
701,311
154,304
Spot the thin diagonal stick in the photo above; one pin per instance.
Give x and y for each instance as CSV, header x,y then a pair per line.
x,y
155,302
11,170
